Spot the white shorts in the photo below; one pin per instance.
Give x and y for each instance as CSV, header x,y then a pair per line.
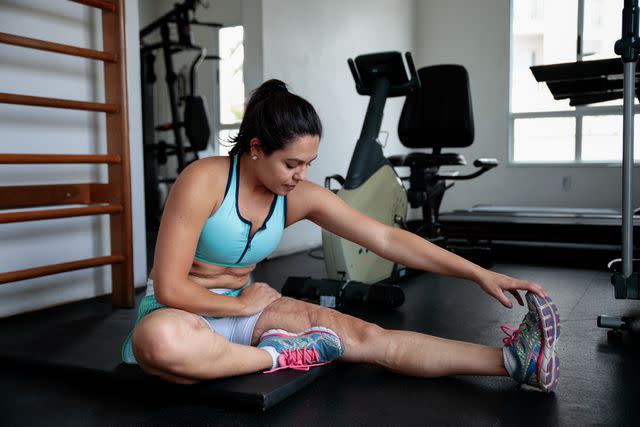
x,y
238,330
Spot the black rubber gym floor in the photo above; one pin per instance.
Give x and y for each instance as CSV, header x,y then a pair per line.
x,y
599,384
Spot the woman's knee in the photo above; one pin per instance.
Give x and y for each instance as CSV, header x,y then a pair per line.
x,y
161,339
296,316
356,334
365,337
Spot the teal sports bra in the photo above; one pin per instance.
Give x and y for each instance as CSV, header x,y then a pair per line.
x,y
224,239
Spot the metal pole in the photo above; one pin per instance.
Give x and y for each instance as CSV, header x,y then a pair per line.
x,y
171,78
627,48
367,156
375,109
627,169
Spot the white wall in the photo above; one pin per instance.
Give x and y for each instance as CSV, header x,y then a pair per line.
x,y
306,44
253,44
135,144
41,130
476,34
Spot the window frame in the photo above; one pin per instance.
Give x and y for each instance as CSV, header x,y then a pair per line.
x,y
578,112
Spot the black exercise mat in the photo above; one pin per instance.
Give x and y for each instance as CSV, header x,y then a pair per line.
x,y
86,338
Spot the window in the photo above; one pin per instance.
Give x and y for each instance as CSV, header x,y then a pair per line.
x,y
231,86
544,130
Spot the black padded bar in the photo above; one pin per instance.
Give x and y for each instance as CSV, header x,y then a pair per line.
x,y
589,99
583,82
577,70
568,88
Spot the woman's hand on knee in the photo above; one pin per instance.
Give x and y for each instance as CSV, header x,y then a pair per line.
x,y
257,296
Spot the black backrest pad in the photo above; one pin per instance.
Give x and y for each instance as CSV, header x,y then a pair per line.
x,y
196,122
439,114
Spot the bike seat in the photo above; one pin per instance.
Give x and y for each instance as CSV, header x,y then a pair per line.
x,y
425,160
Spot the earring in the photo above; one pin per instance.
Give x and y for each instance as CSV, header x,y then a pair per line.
x,y
254,157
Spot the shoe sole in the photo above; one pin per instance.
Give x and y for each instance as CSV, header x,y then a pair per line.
x,y
548,367
283,333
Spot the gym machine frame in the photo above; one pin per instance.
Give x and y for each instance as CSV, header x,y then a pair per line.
x,y
180,15
112,198
624,278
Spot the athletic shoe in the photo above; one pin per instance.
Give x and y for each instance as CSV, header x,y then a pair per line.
x,y
533,344
316,346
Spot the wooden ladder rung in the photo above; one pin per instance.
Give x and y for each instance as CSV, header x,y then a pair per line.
x,y
26,159
58,213
37,101
31,196
12,39
46,270
100,4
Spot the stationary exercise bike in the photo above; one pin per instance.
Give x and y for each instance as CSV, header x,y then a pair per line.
x,y
372,184
373,187
437,113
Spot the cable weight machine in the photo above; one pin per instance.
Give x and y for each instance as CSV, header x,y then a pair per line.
x,y
189,114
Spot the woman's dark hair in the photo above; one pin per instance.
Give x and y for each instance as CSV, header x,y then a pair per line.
x,y
276,117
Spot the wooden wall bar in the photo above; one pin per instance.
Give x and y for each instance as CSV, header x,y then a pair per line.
x,y
29,196
115,83
112,198
31,159
37,101
100,4
58,213
46,270
56,47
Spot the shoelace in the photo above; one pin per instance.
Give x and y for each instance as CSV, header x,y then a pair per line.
x,y
512,334
299,360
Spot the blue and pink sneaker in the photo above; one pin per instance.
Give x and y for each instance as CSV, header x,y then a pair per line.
x,y
316,346
531,349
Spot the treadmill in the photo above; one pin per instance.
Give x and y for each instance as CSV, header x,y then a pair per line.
x,y
582,82
507,224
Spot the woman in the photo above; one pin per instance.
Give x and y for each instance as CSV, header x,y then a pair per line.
x,y
203,319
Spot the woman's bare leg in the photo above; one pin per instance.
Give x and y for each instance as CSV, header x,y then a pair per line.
x,y
408,353
180,347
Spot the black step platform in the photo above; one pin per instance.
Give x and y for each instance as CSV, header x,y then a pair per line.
x,y
85,337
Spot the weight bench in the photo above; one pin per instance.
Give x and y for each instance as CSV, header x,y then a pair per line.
x,y
85,338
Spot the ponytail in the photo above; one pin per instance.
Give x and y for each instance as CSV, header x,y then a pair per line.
x,y
276,117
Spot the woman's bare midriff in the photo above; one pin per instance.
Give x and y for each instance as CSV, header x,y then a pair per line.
x,y
215,276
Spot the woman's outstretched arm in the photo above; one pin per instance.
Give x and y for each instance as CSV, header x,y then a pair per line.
x,y
333,214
